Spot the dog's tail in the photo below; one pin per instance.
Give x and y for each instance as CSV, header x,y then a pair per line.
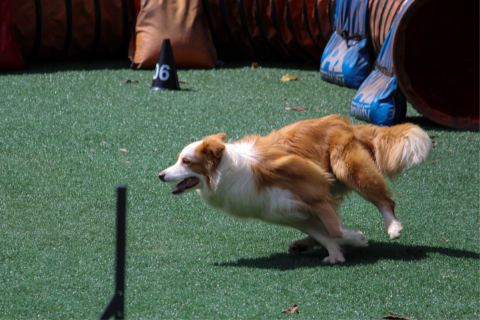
x,y
398,147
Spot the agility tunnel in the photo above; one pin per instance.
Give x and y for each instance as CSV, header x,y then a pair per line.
x,y
436,60
284,29
50,30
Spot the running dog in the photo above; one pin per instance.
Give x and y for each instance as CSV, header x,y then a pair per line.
x,y
298,176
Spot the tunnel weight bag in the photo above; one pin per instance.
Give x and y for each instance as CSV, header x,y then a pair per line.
x,y
345,60
379,100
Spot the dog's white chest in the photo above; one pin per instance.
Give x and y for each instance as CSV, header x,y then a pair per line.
x,y
273,205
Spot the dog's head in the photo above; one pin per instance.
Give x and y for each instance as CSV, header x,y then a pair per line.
x,y
196,164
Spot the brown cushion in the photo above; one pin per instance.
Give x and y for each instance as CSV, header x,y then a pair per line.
x,y
184,23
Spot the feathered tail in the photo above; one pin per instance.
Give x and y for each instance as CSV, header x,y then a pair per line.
x,y
398,147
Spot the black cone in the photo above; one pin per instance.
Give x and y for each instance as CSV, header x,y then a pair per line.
x,y
165,76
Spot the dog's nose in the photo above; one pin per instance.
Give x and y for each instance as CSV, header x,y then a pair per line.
x,y
162,175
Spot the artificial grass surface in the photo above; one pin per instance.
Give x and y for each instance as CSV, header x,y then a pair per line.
x,y
62,128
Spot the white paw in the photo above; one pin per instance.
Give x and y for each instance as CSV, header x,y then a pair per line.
x,y
394,230
334,258
352,238
361,240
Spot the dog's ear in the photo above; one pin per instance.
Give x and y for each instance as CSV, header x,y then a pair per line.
x,y
213,149
218,136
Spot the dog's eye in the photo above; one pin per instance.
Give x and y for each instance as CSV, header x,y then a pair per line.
x,y
185,161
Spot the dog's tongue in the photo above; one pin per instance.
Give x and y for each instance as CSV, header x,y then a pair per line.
x,y
185,184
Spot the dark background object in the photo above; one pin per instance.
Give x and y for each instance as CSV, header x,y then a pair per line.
x,y
50,30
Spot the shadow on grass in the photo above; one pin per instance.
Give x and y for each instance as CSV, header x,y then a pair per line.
x,y
300,66
427,124
354,256
73,65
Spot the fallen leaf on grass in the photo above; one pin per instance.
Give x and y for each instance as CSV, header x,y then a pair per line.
x,y
391,316
289,77
284,98
435,143
296,108
292,310
130,81
254,65
310,74
124,150
183,81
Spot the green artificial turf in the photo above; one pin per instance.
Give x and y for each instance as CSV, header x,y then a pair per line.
x,y
63,126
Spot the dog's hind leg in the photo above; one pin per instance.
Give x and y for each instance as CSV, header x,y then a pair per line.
x,y
353,165
392,224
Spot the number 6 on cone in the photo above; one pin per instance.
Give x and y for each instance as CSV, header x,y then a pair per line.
x,y
165,76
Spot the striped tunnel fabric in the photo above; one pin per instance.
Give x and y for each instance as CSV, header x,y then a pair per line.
x,y
72,28
274,29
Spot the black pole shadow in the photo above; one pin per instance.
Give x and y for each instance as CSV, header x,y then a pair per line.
x,y
354,256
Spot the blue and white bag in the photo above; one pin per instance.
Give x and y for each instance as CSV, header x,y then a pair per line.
x,y
345,60
379,100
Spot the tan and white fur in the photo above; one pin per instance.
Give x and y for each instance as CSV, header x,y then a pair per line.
x,y
298,176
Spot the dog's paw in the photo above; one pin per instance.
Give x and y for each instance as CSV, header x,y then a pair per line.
x,y
352,238
302,246
395,230
361,240
298,248
334,258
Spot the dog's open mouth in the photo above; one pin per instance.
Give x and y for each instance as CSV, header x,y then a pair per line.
x,y
185,184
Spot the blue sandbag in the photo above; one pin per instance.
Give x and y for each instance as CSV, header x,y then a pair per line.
x,y
345,60
379,100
